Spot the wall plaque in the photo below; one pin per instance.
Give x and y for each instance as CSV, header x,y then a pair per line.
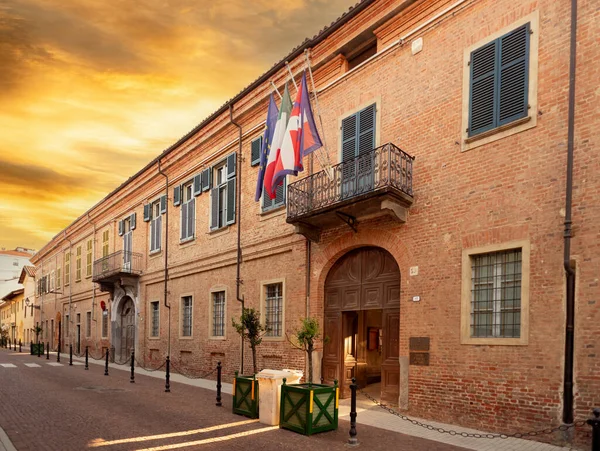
x,y
419,358
418,343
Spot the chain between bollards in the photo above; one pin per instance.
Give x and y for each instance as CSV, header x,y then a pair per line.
x,y
86,358
106,364
70,355
167,376
132,378
47,351
352,440
218,403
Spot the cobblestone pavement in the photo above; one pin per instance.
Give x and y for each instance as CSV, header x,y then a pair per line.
x,y
49,407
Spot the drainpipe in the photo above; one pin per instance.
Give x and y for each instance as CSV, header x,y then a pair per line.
x,y
238,280
70,292
166,276
94,285
569,269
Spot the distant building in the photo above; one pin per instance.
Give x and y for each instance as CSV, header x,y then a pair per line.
x,y
13,309
11,263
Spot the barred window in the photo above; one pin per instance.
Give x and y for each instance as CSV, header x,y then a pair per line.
x,y
88,324
154,309
496,294
186,310
105,324
274,309
67,323
218,311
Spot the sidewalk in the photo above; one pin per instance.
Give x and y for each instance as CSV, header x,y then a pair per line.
x,y
372,415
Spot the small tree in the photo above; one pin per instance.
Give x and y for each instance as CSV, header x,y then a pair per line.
x,y
38,331
251,329
305,338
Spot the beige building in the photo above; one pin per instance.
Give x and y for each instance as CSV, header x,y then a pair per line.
x,y
15,315
27,280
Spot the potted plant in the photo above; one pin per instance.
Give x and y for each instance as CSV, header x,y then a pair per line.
x,y
37,344
245,388
309,408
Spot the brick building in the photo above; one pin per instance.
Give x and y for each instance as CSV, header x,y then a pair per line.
x,y
432,252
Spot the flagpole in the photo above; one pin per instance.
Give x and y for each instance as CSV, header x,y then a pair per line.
x,y
287,65
276,90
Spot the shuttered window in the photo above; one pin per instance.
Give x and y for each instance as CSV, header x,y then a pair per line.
x,y
358,138
155,226
223,194
88,259
268,204
78,265
499,81
188,212
67,267
256,147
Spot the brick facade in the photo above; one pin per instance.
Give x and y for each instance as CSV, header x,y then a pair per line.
x,y
465,196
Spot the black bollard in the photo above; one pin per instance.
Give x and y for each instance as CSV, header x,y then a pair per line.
x,y
40,349
31,347
70,355
167,376
352,440
47,351
595,424
218,403
132,378
86,358
15,345
106,364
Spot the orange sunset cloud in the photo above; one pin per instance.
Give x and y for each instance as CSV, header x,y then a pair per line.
x,y
92,91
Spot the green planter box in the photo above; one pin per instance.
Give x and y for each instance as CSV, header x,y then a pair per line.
x,y
34,348
245,395
309,408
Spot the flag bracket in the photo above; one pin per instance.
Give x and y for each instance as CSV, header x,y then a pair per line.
x,y
348,219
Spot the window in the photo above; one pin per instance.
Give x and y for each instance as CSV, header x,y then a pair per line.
x,y
126,227
186,316
78,265
223,194
255,150
88,324
155,319
58,277
268,204
218,314
188,212
88,259
67,267
495,295
358,138
105,243
52,280
274,309
67,324
78,318
105,324
153,214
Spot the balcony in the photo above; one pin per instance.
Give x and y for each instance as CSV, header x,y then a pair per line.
x,y
373,184
114,266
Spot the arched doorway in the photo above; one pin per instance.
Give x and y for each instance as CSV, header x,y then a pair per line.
x,y
127,328
57,330
362,321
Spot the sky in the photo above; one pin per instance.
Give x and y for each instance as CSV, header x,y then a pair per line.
x,y
91,91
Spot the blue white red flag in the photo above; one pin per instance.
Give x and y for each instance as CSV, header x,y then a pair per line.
x,y
272,114
301,137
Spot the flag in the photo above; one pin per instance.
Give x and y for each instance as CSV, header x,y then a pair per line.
x,y
278,133
301,137
272,114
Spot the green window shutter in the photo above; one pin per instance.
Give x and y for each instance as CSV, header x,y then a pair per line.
x,y
214,208
267,203
513,75
483,89
197,185
177,195
256,147
366,130
121,227
231,163
206,179
147,212
230,214
349,141
280,194
163,204
132,220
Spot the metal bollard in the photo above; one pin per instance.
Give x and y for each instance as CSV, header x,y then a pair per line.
x,y
86,358
595,424
15,345
218,403
106,364
47,351
132,378
70,355
352,440
31,347
167,376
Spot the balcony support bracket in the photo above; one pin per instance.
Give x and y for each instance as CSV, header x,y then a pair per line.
x,y
348,219
310,232
400,212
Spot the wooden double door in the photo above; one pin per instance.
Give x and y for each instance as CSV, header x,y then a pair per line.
x,y
362,321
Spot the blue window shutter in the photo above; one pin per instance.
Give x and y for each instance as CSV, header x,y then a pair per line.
x,y
231,163
184,222
206,179
197,185
267,202
177,195
513,75
366,129
349,141
256,147
483,89
121,227
230,216
280,194
132,220
163,204
147,212
214,208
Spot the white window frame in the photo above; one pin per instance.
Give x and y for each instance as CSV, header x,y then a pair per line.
x,y
263,307
219,289
155,235
181,317
220,181
188,202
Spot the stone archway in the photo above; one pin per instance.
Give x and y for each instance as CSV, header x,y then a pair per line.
x,y
124,327
362,321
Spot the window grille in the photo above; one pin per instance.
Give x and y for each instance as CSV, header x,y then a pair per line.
x,y
218,309
186,304
274,309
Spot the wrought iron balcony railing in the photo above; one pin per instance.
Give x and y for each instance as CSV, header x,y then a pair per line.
x,y
120,262
384,168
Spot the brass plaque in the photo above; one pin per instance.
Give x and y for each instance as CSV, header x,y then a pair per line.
x,y
418,343
419,358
